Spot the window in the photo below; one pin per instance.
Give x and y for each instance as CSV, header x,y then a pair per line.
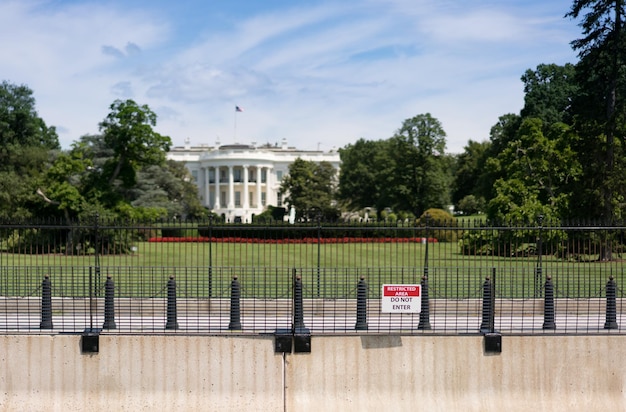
x,y
279,175
237,199
194,174
237,175
223,176
263,198
223,199
279,200
211,175
263,175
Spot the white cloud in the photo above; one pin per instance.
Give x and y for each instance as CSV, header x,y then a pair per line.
x,y
325,74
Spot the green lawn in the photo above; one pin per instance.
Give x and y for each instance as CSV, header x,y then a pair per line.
x,y
327,270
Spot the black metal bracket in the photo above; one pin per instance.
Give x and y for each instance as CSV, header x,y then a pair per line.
x,y
283,341
302,340
493,342
90,340
288,340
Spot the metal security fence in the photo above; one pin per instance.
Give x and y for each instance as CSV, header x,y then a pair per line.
x,y
325,278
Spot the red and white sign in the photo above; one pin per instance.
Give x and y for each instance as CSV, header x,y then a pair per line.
x,y
401,299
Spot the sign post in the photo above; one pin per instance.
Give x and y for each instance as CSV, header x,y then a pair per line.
x,y
401,299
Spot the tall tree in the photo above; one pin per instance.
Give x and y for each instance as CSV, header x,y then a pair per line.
x,y
600,106
549,90
539,172
128,131
421,180
366,175
25,151
168,188
310,188
20,125
470,165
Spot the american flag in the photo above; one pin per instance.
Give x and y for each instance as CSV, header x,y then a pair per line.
x,y
238,109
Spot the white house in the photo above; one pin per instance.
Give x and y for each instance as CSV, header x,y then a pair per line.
x,y
238,181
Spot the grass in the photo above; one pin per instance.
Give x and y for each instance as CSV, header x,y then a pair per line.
x,y
328,271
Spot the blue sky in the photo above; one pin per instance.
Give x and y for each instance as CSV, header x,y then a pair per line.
x,y
321,74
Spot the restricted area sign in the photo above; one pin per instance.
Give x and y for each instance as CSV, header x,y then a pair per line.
x,y
401,299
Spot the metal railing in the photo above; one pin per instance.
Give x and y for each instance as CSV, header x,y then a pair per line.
x,y
213,278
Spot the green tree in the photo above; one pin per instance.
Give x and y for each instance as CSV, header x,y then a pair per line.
x,y
600,115
63,185
470,166
127,130
420,176
20,125
366,175
26,147
541,171
310,188
549,90
168,189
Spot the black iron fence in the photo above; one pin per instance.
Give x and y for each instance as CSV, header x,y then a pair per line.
x,y
206,278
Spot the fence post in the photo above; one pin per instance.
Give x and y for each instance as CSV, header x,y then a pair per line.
x,y
487,324
109,304
611,306
172,322
361,305
298,305
548,305
424,323
235,305
210,256
539,268
46,304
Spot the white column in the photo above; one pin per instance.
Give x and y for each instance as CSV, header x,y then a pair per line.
x,y
269,188
245,188
231,188
217,205
207,196
258,187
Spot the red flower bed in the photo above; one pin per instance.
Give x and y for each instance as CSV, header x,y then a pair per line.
x,y
307,240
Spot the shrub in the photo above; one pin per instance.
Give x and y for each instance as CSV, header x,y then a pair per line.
x,y
439,219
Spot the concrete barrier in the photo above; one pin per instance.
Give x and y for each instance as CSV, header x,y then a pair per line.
x,y
342,373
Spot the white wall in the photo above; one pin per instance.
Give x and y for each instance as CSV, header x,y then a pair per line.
x,y
342,373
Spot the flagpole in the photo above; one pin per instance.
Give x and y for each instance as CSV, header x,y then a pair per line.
x,y
237,109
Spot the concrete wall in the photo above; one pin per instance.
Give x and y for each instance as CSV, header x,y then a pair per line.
x,y
342,373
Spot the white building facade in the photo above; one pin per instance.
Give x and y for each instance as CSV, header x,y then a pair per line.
x,y
239,181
